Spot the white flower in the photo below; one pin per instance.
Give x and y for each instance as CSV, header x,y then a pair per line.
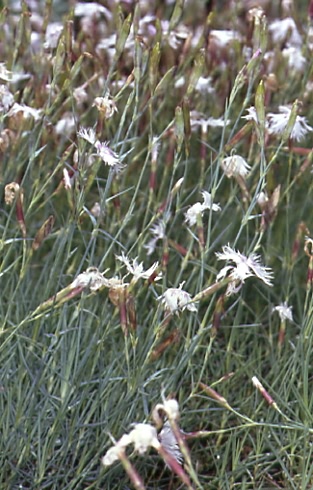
x,y
255,14
174,37
198,119
204,85
207,202
25,110
108,44
210,122
252,115
91,278
170,407
6,98
144,436
53,33
284,311
5,75
114,453
158,229
285,30
296,60
80,95
105,106
93,10
158,232
235,166
244,267
198,208
137,269
215,122
221,38
175,299
87,134
111,456
277,124
193,212
108,156
66,125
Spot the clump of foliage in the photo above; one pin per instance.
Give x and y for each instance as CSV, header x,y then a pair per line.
x,y
156,175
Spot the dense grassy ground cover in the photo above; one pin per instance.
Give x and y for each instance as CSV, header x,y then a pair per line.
x,y
127,137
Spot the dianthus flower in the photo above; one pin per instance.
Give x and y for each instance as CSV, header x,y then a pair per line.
x,y
277,124
244,267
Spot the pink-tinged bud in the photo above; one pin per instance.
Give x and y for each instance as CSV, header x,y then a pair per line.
x,y
173,338
165,254
173,193
301,230
269,206
262,390
213,394
43,232
244,131
218,313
